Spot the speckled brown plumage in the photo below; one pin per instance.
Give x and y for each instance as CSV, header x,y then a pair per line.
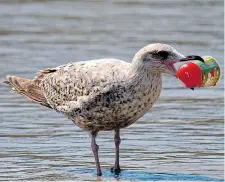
x,y
103,99
104,94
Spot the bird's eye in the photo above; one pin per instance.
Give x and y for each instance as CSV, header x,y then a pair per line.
x,y
161,54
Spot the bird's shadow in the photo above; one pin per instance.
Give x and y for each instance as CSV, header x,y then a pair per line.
x,y
138,175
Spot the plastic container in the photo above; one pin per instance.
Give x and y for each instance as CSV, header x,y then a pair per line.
x,y
199,74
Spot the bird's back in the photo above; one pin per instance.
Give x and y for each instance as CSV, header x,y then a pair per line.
x,y
82,80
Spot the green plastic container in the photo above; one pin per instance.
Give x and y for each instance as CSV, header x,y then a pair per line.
x,y
210,71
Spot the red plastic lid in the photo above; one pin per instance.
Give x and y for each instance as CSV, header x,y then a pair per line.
x,y
190,74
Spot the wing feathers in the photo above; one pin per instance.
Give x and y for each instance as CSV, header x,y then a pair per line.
x,y
27,88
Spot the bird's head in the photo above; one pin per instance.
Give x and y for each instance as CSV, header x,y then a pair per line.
x,y
160,58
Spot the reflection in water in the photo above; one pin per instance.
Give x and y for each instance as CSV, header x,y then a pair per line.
x,y
180,139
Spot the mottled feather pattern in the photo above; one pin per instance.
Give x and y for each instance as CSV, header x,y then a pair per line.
x,y
103,94
96,95
28,88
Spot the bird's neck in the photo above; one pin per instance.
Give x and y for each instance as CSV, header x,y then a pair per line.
x,y
137,63
146,86
144,77
139,70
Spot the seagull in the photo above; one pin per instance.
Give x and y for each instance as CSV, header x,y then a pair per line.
x,y
103,94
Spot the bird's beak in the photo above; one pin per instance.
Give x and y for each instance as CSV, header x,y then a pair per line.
x,y
170,63
192,57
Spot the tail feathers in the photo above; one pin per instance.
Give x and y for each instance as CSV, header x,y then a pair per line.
x,y
27,88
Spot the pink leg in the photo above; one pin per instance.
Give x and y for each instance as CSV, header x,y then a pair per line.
x,y
116,168
95,147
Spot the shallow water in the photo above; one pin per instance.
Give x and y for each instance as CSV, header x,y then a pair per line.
x,y
181,138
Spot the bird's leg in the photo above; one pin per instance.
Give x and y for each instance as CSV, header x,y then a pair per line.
x,y
116,168
95,147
